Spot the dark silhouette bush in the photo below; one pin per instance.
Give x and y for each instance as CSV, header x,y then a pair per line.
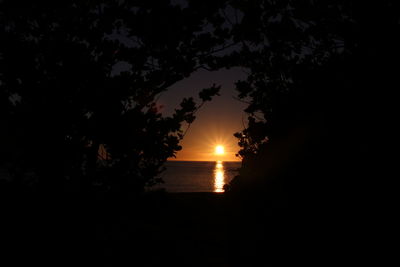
x,y
79,89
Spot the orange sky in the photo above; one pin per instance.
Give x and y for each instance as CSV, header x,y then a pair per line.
x,y
216,121
204,135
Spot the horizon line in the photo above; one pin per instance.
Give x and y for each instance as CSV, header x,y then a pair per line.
x,y
203,160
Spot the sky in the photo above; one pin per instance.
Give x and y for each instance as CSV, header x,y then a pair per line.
x,y
216,121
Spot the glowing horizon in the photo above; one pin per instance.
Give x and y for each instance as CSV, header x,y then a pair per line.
x,y
216,121
209,149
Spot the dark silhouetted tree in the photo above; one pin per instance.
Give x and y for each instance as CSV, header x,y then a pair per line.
x,y
79,82
318,73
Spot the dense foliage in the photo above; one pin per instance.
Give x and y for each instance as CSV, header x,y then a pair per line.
x,y
319,76
79,82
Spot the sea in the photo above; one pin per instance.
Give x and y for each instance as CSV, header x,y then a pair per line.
x,y
198,176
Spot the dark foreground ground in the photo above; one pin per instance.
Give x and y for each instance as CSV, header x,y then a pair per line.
x,y
180,229
188,229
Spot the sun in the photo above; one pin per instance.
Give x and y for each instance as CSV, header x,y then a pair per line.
x,y
219,150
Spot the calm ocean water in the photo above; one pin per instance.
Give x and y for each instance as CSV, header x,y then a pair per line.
x,y
198,176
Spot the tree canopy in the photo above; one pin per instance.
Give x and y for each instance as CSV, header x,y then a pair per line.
x,y
318,74
79,83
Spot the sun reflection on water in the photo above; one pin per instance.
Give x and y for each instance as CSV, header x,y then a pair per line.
x,y
219,177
